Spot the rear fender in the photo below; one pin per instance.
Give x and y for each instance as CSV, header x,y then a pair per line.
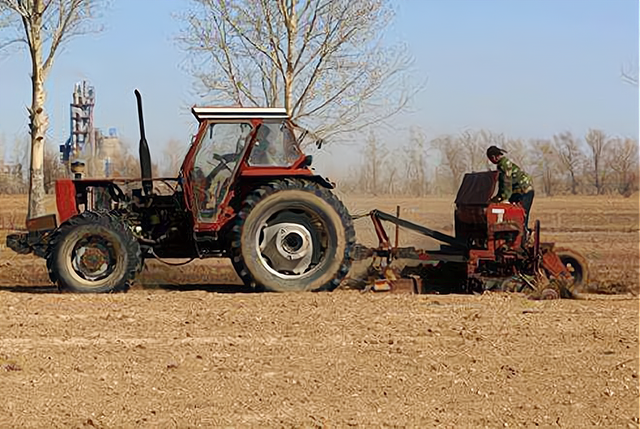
x,y
323,182
251,183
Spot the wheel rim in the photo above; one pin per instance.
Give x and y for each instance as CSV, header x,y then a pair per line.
x,y
291,243
93,258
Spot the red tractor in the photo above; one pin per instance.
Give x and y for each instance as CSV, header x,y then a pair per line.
x,y
490,251
245,191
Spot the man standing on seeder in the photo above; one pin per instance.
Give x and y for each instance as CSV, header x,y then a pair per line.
x,y
514,185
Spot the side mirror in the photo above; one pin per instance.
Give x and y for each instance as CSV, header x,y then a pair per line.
x,y
308,160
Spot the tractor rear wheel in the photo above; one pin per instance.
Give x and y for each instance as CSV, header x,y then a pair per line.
x,y
292,235
93,252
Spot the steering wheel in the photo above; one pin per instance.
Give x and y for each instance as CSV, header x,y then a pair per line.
x,y
224,159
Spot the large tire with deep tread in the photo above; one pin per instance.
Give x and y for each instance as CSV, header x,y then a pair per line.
x,y
331,230
111,236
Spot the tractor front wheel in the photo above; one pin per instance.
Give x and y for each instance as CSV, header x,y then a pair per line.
x,y
293,235
93,252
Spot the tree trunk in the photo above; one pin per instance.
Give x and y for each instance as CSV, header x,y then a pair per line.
x,y
574,191
624,184
597,174
39,120
292,34
374,169
288,91
548,186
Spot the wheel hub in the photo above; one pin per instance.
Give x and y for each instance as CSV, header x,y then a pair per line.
x,y
288,247
91,261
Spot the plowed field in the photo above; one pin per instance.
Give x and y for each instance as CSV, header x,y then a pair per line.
x,y
189,347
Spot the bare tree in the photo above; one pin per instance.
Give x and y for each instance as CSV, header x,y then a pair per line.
x,y
473,144
377,172
10,172
174,153
571,156
629,74
323,60
597,142
416,168
453,158
375,161
624,162
52,167
2,149
519,152
517,149
547,165
43,26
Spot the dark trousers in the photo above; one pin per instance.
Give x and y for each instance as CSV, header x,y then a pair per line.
x,y
526,200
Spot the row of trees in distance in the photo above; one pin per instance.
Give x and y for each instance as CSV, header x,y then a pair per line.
x,y
593,164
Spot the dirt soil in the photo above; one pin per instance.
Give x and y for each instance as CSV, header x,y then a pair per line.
x,y
189,347
158,358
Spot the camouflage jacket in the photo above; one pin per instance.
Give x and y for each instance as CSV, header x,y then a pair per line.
x,y
512,179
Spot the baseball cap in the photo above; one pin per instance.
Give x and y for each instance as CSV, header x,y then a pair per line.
x,y
495,151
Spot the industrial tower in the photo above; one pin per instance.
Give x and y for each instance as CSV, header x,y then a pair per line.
x,y
86,144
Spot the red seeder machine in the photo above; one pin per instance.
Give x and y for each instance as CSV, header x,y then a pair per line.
x,y
490,251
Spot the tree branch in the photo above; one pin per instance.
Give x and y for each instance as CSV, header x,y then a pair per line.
x,y
324,58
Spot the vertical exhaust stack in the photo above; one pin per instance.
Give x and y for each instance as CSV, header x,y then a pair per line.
x,y
145,156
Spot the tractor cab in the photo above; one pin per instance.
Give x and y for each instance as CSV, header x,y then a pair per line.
x,y
235,145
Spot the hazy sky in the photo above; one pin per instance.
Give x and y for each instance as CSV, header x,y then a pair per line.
x,y
526,68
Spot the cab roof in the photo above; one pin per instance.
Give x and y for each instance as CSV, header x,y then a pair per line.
x,y
204,113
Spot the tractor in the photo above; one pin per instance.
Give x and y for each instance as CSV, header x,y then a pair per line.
x,y
245,191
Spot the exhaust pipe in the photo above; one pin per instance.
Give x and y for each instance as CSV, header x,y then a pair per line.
x,y
145,156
